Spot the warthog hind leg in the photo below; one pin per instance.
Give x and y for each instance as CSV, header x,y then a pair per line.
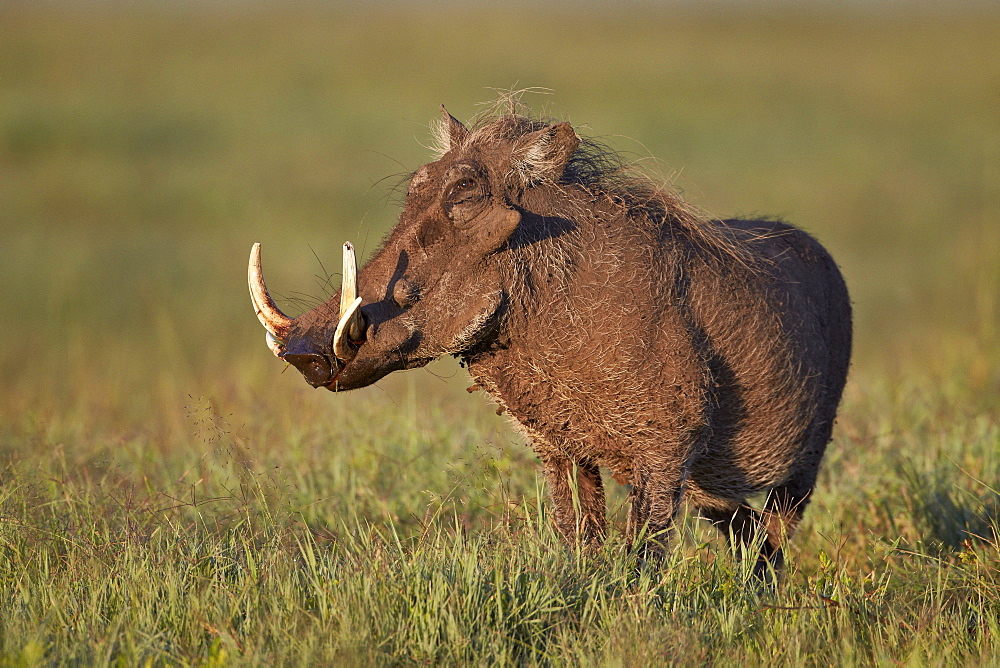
x,y
744,525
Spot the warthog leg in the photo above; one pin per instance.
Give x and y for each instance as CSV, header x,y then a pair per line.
x,y
655,498
779,519
577,495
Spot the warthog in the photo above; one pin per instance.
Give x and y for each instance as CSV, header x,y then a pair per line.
x,y
694,358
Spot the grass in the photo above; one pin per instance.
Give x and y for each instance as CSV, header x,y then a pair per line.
x,y
168,494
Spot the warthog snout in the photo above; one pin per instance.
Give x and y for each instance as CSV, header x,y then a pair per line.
x,y
318,368
314,367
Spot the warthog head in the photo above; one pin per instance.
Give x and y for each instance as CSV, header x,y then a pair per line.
x,y
435,287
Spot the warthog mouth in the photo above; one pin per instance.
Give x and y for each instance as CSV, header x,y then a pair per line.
x,y
402,364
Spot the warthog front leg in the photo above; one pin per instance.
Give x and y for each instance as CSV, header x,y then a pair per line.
x,y
577,495
655,498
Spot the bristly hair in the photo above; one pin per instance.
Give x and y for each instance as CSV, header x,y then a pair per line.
x,y
605,173
440,138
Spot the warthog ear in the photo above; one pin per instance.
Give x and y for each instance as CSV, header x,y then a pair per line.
x,y
543,155
449,133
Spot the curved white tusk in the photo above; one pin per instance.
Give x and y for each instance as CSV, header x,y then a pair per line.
x,y
349,283
341,348
277,347
274,321
349,291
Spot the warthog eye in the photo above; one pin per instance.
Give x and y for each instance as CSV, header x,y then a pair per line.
x,y
463,188
464,193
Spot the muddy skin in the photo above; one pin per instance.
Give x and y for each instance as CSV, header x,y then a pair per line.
x,y
698,360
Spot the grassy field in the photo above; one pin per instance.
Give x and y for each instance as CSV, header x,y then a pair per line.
x,y
168,494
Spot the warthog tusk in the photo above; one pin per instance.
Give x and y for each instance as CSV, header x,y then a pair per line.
x,y
350,325
275,322
349,292
276,346
341,349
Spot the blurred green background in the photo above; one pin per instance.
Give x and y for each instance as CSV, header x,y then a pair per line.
x,y
144,147
169,493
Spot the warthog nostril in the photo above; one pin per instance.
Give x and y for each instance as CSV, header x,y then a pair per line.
x,y
315,368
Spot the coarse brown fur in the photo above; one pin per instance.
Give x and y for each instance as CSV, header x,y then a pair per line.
x,y
697,359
